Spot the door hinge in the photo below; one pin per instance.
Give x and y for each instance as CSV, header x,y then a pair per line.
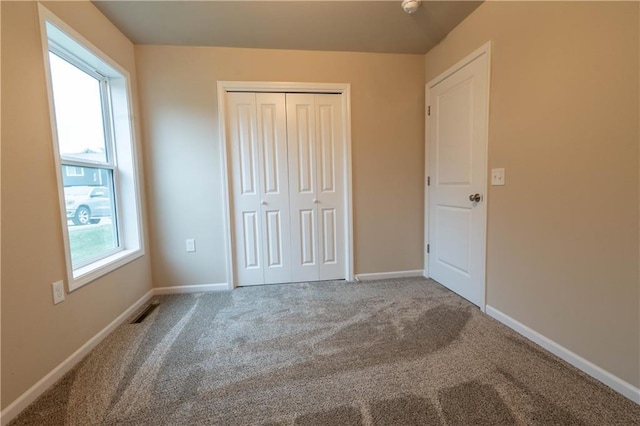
x,y
429,110
428,248
428,180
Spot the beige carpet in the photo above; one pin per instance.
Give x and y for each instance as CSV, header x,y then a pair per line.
x,y
398,352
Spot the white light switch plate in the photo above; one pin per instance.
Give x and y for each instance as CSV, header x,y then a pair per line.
x,y
497,177
191,245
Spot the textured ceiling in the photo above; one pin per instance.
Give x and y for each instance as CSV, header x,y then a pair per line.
x,y
356,26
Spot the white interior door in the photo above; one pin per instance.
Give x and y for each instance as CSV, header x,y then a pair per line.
x,y
257,131
316,186
457,137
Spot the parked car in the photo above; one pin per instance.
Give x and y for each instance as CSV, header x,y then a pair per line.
x,y
87,204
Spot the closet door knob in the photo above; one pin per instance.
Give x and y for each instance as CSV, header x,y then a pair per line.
x,y
315,201
264,203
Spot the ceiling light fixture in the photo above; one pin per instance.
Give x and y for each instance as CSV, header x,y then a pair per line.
x,y
410,6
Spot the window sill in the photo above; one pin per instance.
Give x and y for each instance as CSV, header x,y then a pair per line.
x,y
86,274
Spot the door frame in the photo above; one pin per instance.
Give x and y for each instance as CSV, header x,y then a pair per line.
x,y
342,89
485,49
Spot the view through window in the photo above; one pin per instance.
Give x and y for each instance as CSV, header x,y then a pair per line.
x,y
85,144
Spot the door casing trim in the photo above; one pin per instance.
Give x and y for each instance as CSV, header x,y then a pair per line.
x,y
342,89
485,49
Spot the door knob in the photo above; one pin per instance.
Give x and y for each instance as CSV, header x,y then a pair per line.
x,y
264,203
475,198
315,201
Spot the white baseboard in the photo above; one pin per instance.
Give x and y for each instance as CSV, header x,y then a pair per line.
x,y
389,275
54,375
190,288
598,373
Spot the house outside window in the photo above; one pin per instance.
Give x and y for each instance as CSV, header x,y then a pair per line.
x,y
73,171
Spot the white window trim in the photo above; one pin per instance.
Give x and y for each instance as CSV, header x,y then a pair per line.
x,y
130,227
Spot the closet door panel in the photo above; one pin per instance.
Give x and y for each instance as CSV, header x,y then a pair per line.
x,y
246,188
302,186
330,177
272,139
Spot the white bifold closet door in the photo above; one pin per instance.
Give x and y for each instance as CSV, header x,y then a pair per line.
x,y
316,186
287,161
257,128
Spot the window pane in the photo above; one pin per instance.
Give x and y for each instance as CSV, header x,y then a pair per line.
x,y
90,207
78,108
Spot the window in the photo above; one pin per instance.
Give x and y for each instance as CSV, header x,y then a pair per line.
x,y
94,153
82,114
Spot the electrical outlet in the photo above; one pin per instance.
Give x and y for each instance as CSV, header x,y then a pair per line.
x,y
497,177
191,245
58,292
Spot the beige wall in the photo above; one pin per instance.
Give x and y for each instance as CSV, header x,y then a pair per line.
x,y
563,231
563,252
180,124
36,335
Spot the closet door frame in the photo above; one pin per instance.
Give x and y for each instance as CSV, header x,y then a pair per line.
x,y
342,89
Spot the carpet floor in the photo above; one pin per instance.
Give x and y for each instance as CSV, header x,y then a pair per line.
x,y
393,352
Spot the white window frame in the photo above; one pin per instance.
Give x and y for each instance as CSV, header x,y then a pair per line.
x,y
61,39
110,164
